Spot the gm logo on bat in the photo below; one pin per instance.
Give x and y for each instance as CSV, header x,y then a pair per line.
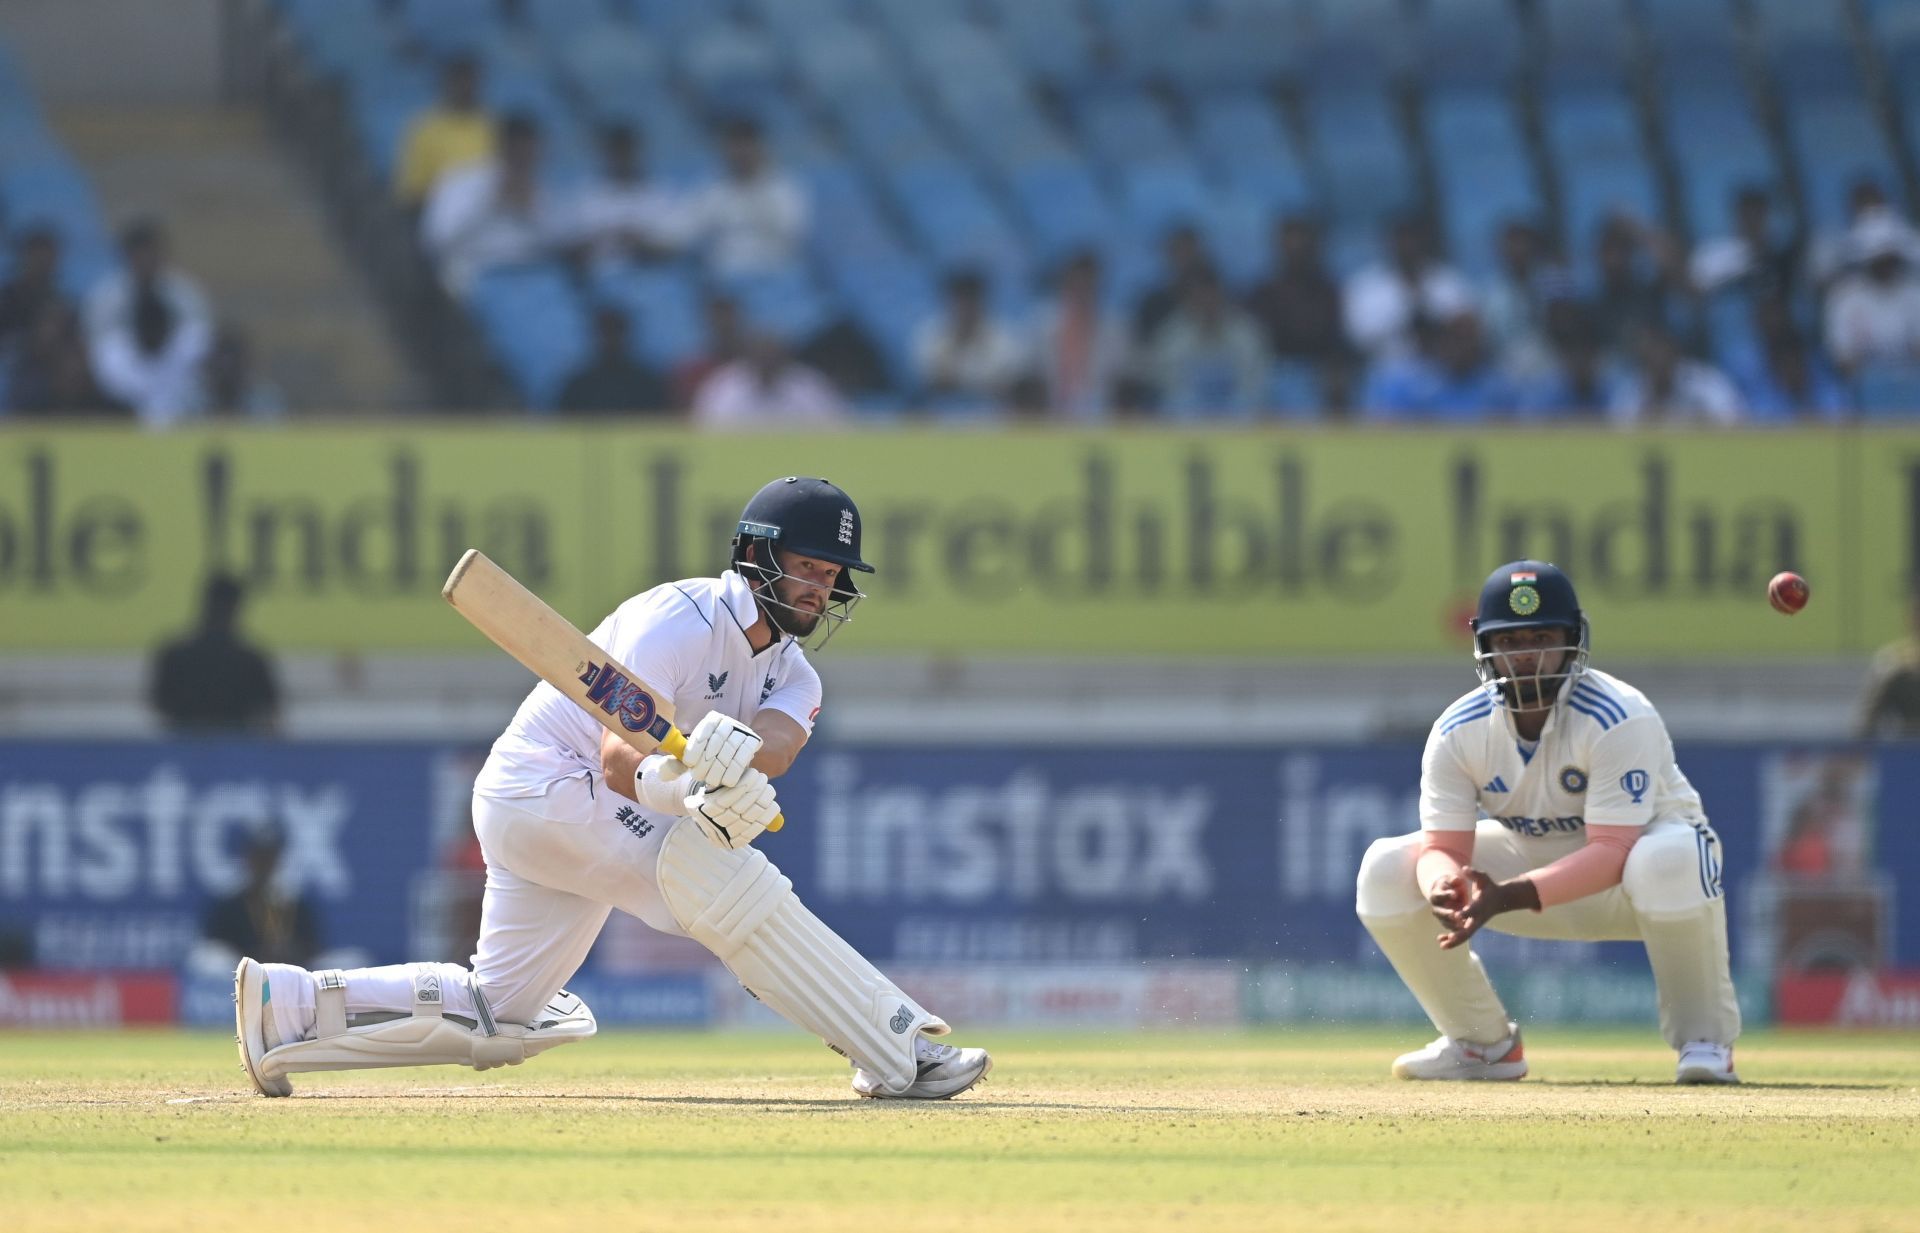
x,y
632,705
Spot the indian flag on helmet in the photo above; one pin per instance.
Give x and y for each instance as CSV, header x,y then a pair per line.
x,y
1525,575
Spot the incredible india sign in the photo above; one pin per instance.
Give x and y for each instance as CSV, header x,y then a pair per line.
x,y
1170,543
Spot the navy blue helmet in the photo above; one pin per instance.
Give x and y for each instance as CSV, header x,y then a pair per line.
x,y
1529,595
810,517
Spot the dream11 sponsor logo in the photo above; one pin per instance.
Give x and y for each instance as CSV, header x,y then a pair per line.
x,y
163,837
1023,838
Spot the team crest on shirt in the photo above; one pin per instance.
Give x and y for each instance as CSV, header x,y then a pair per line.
x,y
716,684
1573,780
767,689
1524,600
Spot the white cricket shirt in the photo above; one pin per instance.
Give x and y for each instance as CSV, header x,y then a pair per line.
x,y
687,642
1603,758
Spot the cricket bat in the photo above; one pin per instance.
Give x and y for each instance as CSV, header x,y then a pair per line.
x,y
525,627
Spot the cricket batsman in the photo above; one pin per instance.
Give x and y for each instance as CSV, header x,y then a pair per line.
x,y
1550,807
575,822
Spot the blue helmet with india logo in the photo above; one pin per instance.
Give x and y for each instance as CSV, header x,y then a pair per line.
x,y
1526,595
811,518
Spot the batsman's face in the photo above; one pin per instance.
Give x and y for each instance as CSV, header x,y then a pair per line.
x,y
1532,660
805,588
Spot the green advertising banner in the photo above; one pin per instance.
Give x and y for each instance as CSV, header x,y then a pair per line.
x,y
1016,542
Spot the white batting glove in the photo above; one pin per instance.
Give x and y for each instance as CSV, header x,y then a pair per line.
x,y
719,750
734,817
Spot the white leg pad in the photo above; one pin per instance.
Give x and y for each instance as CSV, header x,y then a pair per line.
x,y
425,1037
737,905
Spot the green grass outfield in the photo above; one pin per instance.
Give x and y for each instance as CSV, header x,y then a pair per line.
x,y
1279,1129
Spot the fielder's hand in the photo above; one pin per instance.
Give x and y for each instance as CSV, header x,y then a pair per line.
x,y
734,817
1473,899
719,750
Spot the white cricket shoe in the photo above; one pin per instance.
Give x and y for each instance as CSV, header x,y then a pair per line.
x,y
945,1072
1447,1058
1702,1061
253,1028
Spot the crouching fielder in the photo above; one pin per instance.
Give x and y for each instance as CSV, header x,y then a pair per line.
x,y
1550,807
574,823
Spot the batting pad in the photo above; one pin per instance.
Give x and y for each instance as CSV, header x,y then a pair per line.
x,y
427,1036
737,905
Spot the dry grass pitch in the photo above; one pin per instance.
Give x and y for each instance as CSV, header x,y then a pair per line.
x,y
1281,1129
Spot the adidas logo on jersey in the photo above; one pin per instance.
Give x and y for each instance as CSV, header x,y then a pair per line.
x,y
1498,785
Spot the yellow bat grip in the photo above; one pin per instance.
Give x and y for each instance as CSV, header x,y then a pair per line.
x,y
675,745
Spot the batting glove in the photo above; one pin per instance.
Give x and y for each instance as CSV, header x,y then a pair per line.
x,y
720,749
734,817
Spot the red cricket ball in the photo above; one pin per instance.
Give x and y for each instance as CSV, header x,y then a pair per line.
x,y
1788,592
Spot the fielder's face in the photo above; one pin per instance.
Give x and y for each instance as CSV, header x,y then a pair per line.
x,y
1529,663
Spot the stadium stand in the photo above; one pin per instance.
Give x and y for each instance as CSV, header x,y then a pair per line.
x,y
1005,136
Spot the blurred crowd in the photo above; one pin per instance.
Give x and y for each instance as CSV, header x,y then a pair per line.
x,y
1761,323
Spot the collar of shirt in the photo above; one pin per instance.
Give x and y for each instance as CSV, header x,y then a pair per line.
x,y
737,597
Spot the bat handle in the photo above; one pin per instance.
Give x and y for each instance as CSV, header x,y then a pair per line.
x,y
674,743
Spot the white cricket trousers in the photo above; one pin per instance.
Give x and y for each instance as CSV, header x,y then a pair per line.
x,y
1669,898
556,866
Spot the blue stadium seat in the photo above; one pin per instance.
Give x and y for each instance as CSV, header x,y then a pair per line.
x,y
884,126
889,298
663,307
439,27
1236,231
1894,35
382,114
1587,43
790,19
1354,45
1061,208
1158,195
1717,146
1693,42
1362,161
733,67
673,20
956,221
609,61
837,56
556,22
1593,138
336,35
536,324
1482,171
1293,391
1889,391
1837,139
784,303
1242,145
848,223
1469,43
1807,47
1049,40
1122,127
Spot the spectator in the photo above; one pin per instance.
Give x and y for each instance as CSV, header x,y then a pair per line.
x,y
1208,358
33,292
494,213
1083,348
1891,707
965,355
623,214
1634,291
454,133
1385,302
1873,315
148,331
1785,379
1836,253
767,388
1298,306
612,381
1666,386
212,680
1182,258
1451,378
233,386
53,375
264,918
1759,260
755,218
726,342
1516,301
1579,384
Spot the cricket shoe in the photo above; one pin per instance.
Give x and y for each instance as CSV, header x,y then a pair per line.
x,y
1702,1061
1448,1058
253,1027
945,1072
